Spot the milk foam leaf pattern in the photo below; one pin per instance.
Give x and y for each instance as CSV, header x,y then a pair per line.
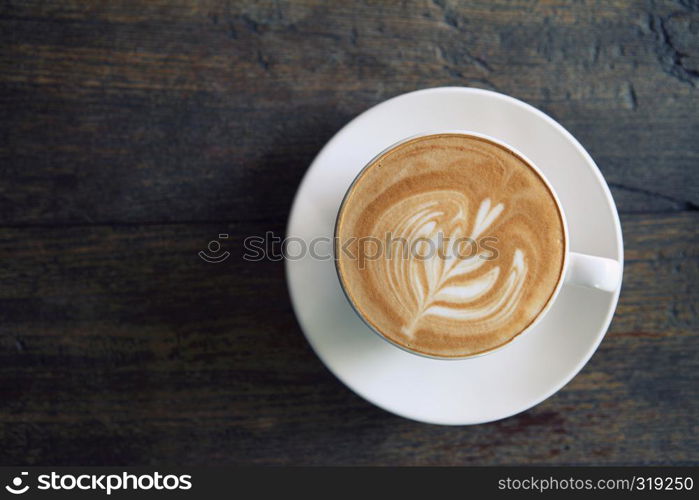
x,y
434,281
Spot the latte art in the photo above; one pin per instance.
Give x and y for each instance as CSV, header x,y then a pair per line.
x,y
435,279
473,245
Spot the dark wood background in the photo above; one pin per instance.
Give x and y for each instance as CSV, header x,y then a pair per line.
x,y
133,133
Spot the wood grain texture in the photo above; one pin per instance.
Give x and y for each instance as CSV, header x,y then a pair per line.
x,y
133,133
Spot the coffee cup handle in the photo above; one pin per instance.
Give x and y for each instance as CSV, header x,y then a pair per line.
x,y
593,272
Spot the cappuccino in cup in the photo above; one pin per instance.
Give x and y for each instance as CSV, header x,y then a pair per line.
x,y
450,245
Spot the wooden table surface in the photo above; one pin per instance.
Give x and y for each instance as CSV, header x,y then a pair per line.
x,y
134,132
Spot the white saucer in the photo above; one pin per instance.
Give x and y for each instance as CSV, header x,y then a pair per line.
x,y
484,388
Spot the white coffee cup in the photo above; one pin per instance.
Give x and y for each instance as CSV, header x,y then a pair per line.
x,y
578,269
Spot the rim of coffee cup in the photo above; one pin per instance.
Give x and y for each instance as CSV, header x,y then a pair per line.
x,y
561,212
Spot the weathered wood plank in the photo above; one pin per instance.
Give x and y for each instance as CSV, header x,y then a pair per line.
x,y
119,345
119,111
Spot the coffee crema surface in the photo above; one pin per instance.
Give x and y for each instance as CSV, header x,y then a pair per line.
x,y
450,245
